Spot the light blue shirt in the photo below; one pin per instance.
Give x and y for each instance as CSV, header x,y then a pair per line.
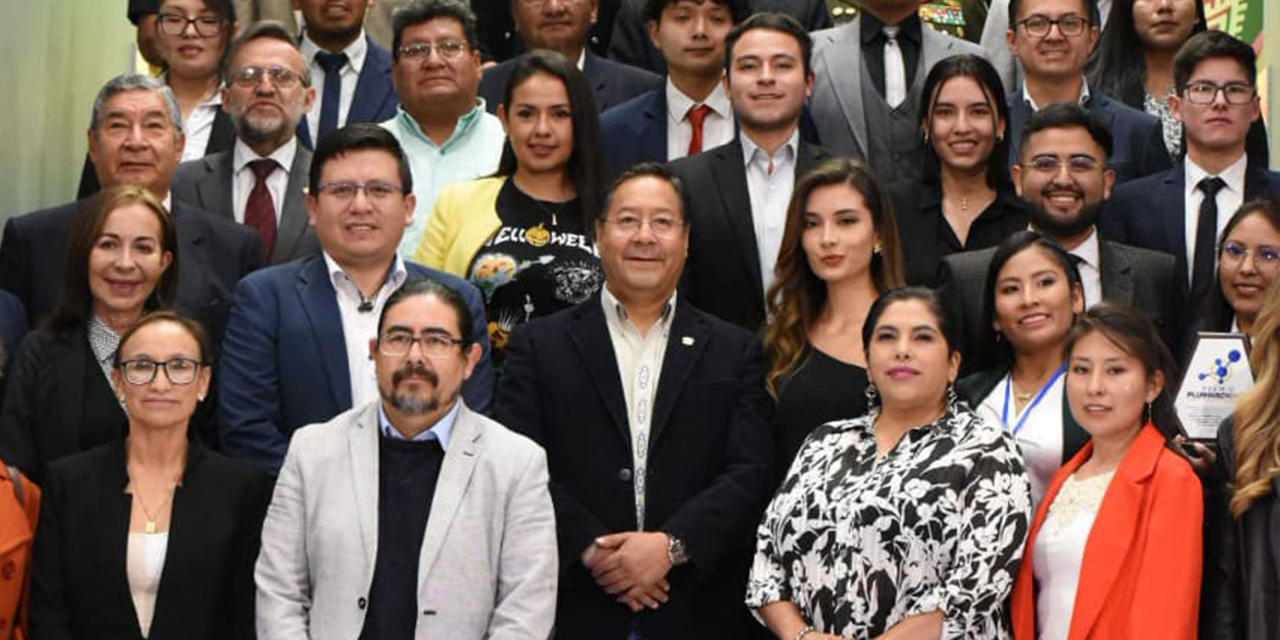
x,y
438,431
473,151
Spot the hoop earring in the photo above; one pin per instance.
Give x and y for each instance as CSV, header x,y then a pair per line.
x,y
873,396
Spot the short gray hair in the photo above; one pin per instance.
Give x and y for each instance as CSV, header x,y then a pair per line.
x,y
135,82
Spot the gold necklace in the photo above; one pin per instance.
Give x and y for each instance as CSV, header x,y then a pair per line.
x,y
150,525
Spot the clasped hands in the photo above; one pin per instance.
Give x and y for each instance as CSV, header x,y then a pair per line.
x,y
632,566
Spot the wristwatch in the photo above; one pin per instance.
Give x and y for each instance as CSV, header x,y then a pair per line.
x,y
677,554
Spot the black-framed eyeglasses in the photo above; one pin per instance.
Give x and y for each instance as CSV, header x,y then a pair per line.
x,y
251,77
1069,25
435,344
179,371
448,50
630,224
1205,92
175,24
1053,164
346,190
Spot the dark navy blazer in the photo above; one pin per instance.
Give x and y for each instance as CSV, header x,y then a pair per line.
x,y
374,99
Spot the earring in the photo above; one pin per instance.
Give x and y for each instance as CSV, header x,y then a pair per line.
x,y
200,397
873,396
876,248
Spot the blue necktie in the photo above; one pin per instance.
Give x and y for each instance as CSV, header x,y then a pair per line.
x,y
332,64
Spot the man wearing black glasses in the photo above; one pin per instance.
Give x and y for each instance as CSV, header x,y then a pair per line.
x,y
1052,39
261,181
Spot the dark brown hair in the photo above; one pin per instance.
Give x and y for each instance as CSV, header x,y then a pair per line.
x,y
192,327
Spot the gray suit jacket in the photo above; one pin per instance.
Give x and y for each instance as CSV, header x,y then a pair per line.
x,y
206,183
836,104
488,566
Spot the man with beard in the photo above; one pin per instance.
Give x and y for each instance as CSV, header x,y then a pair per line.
x,y
261,181
1062,178
449,531
296,348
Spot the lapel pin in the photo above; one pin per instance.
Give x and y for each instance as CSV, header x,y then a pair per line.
x,y
687,341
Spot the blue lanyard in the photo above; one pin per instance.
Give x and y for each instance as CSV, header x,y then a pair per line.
x,y
1004,415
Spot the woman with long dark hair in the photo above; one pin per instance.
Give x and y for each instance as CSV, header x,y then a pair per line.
x,y
1248,263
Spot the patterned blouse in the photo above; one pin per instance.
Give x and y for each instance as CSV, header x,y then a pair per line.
x,y
938,524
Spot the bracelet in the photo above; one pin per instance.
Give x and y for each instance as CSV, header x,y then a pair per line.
x,y
803,632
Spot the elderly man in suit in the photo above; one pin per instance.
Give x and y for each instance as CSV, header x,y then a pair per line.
x,y
654,417
261,181
870,73
296,346
136,138
1063,180
411,516
744,186
561,26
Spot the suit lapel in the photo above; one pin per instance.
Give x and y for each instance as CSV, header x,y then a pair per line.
x,y
192,271
319,302
1019,112
182,549
373,86
728,169
223,134
590,335
655,110
1115,272
807,156
293,215
933,48
598,77
685,343
215,196
455,476
362,441
304,133
846,53
113,514
1171,198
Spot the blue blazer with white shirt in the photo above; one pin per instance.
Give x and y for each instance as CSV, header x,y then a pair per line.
x,y
374,99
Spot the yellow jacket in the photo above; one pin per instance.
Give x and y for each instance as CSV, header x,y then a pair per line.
x,y
464,217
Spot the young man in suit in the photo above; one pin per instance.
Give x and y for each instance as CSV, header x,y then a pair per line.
x,y
1063,181
870,72
691,111
352,74
1182,211
135,138
449,531
654,418
261,181
296,346
562,26
742,188
1052,40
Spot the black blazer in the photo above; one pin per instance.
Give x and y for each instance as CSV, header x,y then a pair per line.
x,y
221,138
212,256
80,588
1142,279
709,465
974,388
722,274
611,83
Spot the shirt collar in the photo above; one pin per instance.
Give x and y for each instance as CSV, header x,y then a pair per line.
x,y
441,430
355,51
213,101
395,277
463,126
1083,100
103,340
678,104
871,28
243,155
614,310
786,151
582,59
1232,175
1088,251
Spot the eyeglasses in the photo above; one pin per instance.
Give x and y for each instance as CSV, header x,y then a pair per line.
x,y
1053,164
1265,257
448,50
661,226
251,77
140,371
538,4
345,190
1039,26
398,344
175,24
1205,92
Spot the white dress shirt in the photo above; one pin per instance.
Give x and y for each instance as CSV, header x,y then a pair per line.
x,y
770,181
356,52
1229,199
717,127
198,126
243,178
1082,100
1039,437
359,327
1090,268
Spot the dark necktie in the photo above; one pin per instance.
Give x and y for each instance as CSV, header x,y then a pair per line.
x,y
1206,239
332,64
259,210
697,114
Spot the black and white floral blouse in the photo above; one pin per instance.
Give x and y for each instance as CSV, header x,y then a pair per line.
x,y
938,524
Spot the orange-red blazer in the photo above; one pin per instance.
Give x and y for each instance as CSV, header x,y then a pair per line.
x,y
1140,575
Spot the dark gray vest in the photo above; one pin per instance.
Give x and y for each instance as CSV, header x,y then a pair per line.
x,y
895,148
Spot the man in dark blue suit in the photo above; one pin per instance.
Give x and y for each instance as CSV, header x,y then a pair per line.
x,y
352,75
1052,39
1182,211
297,346
691,111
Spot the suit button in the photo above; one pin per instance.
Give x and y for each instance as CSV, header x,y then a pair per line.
x,y
624,475
362,603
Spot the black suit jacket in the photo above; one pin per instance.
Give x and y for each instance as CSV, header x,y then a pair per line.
x,y
206,183
722,273
917,210
80,588
212,256
1142,279
221,138
499,41
709,463
611,83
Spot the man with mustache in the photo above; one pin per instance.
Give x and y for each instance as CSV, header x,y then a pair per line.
x,y
261,181
296,350
1063,179
449,531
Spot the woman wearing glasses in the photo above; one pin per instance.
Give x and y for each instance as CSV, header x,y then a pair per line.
x,y
522,236
151,536
60,398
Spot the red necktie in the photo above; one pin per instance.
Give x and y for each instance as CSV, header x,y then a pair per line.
x,y
696,115
259,211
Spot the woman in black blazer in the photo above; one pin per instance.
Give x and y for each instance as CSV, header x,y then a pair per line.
x,y
153,536
965,201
